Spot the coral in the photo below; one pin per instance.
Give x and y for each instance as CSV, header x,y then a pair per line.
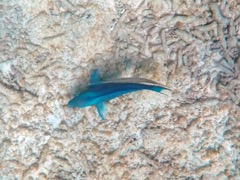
x,y
48,50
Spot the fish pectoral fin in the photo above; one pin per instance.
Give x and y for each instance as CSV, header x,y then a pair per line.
x,y
95,78
101,109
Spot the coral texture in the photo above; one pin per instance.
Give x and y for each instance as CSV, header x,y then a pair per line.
x,y
48,49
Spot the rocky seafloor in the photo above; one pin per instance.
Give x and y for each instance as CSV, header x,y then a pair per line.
x,y
48,49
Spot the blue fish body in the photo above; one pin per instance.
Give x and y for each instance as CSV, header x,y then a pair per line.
x,y
99,92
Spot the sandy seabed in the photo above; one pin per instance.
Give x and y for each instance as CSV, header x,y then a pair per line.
x,y
48,49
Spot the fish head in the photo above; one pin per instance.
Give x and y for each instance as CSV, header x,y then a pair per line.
x,y
81,100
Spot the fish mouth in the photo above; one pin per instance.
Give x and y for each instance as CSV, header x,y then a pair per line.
x,y
71,103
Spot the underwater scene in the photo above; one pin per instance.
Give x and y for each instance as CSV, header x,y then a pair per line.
x,y
120,89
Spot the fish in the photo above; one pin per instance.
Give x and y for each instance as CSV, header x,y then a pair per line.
x,y
98,92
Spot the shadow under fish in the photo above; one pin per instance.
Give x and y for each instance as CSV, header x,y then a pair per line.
x,y
98,92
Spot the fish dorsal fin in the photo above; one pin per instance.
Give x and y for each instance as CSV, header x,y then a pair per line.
x,y
95,78
101,109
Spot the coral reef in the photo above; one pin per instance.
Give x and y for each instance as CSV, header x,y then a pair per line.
x,y
48,50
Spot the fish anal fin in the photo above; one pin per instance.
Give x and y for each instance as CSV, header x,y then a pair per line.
x,y
101,109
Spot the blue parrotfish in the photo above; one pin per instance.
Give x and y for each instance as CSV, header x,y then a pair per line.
x,y
98,92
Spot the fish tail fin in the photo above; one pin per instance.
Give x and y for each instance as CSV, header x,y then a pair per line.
x,y
164,93
159,88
